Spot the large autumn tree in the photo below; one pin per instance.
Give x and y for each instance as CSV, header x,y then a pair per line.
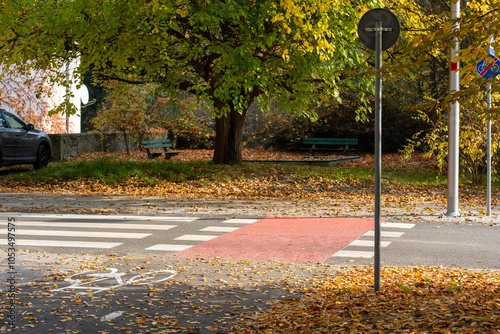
x,y
229,53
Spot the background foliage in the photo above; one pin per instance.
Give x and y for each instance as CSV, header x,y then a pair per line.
x,y
287,55
189,126
123,111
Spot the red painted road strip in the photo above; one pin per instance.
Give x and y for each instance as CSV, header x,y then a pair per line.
x,y
285,239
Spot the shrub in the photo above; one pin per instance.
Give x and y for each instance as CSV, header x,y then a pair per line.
x,y
190,132
335,120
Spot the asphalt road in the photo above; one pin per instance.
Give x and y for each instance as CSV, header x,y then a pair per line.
x,y
84,273
403,243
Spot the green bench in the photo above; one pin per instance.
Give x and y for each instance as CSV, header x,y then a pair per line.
x,y
164,144
329,144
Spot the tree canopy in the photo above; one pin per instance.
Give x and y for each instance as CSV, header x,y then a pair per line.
x,y
288,53
228,53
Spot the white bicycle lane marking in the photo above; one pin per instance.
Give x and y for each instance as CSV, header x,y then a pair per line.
x,y
88,279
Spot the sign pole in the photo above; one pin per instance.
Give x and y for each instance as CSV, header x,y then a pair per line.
x,y
489,68
488,172
491,51
454,121
378,149
372,25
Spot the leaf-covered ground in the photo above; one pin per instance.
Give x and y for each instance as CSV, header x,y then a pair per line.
x,y
267,183
243,297
414,300
323,298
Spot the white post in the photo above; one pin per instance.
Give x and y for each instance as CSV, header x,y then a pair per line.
x,y
454,120
488,170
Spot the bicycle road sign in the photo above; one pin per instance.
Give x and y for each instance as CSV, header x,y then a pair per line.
x,y
488,67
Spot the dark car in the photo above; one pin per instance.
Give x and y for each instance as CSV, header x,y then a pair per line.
x,y
21,143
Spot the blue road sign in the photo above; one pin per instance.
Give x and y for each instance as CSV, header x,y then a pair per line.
x,y
489,67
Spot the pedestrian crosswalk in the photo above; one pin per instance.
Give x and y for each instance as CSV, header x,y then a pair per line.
x,y
68,216
196,238
82,231
63,243
99,225
107,232
364,246
89,234
222,229
169,247
150,234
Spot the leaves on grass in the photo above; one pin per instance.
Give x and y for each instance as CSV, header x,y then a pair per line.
x,y
335,191
413,300
266,182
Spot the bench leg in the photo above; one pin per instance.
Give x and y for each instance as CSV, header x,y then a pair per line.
x,y
152,155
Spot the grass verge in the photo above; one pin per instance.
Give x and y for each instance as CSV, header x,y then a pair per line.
x,y
107,174
115,171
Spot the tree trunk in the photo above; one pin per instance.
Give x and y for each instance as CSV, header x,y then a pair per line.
x,y
125,137
228,138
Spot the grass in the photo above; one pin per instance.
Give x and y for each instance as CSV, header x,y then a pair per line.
x,y
111,171
203,179
115,171
119,170
417,178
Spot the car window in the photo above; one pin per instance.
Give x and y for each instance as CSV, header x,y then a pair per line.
x,y
3,124
14,122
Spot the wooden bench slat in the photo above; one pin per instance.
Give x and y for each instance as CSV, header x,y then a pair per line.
x,y
156,145
334,141
166,144
328,144
157,141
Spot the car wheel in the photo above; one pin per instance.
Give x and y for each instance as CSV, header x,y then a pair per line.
x,y
42,157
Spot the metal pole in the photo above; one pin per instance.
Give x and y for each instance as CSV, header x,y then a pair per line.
x,y
378,149
67,97
488,172
454,121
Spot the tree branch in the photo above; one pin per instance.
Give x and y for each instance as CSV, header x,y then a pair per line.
x,y
106,77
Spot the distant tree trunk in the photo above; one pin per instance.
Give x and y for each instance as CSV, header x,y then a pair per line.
x,y
125,137
229,138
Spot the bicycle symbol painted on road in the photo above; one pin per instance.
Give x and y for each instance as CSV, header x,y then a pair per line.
x,y
95,282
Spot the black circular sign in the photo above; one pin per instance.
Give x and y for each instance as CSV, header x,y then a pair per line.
x,y
369,21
